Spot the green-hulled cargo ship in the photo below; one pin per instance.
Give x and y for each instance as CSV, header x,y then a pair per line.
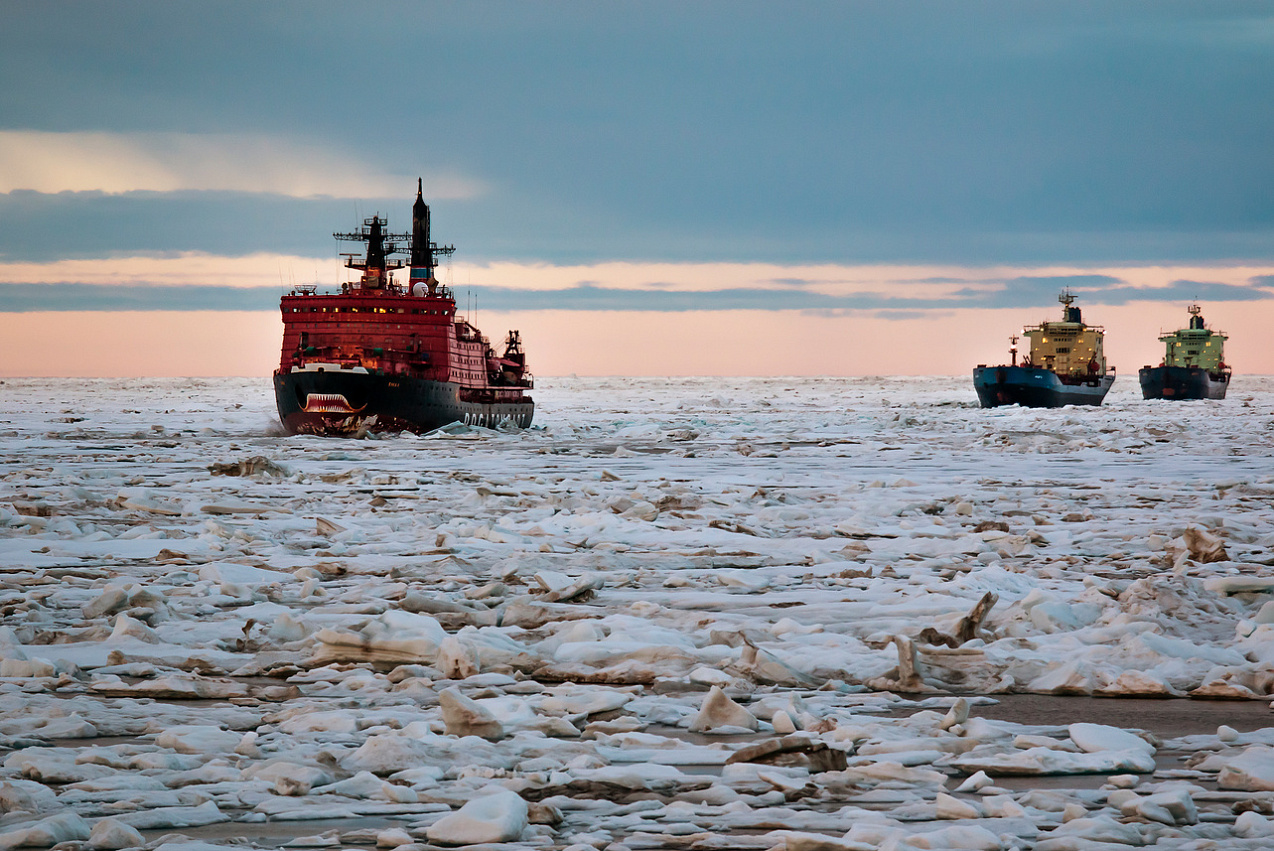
x,y
1193,364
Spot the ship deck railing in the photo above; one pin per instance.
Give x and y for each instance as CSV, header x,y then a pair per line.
x,y
348,289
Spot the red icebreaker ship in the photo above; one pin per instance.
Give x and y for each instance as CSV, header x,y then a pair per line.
x,y
379,356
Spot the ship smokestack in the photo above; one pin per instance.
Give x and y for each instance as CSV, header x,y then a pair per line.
x,y
376,253
422,260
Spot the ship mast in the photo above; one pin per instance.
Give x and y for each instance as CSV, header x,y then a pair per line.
x,y
1196,316
1069,314
375,265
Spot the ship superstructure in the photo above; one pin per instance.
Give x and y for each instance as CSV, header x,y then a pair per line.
x,y
383,356
1193,365
1065,365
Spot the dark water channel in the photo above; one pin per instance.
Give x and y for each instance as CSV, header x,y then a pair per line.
x,y
1167,719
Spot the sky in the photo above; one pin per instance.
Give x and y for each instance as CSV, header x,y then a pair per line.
x,y
653,188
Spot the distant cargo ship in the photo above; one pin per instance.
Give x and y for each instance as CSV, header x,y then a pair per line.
x,y
1193,365
379,356
1065,366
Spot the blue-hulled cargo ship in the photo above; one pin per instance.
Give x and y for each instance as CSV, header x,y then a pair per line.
x,y
1066,365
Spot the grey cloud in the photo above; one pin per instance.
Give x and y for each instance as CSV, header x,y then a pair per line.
x,y
33,297
1184,291
988,133
25,298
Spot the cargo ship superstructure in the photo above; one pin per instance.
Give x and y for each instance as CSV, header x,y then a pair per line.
x,y
381,356
1193,365
1066,365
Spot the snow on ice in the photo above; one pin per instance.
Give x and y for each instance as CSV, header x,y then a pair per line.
x,y
703,613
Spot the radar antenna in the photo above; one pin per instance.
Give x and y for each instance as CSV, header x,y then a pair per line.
x,y
375,265
1069,314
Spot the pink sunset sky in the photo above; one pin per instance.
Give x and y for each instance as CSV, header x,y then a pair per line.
x,y
725,341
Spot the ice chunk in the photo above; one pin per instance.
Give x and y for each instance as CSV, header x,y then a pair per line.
x,y
395,636
465,717
387,753
112,835
949,807
1252,770
974,782
1092,738
393,838
1050,761
63,827
718,710
168,817
1250,825
957,714
26,796
198,739
240,574
496,815
1087,832
1171,807
364,784
288,778
1203,546
962,836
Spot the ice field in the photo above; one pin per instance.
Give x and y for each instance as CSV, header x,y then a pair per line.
x,y
683,613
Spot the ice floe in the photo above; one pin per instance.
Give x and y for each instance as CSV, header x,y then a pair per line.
x,y
701,613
